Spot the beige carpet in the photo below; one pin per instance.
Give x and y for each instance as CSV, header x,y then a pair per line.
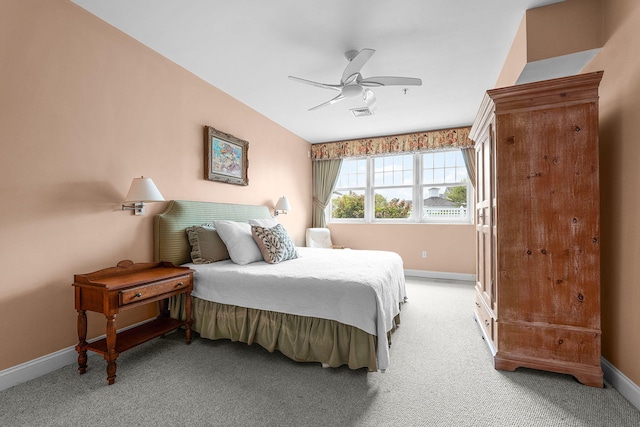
x,y
440,375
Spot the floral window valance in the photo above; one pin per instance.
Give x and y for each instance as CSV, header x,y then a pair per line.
x,y
411,142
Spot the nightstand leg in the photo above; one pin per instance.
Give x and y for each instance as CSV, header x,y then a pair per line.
x,y
81,348
163,308
111,354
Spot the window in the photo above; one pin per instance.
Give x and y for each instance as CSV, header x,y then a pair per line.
x,y
422,187
348,198
446,191
392,188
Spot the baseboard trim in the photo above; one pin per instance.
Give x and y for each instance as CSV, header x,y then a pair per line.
x,y
37,367
619,381
442,275
43,365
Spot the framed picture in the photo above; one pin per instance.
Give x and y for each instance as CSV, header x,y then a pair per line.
x,y
226,157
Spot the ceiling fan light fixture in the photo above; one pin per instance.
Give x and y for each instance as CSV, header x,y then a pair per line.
x,y
353,90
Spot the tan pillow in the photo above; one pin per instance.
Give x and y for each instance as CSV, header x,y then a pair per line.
x,y
206,245
274,243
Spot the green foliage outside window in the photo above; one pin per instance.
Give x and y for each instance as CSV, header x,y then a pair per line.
x,y
394,208
351,205
457,195
348,206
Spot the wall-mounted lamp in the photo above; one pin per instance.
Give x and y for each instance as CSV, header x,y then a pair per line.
x,y
282,206
142,190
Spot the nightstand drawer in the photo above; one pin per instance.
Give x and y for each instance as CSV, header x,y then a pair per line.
x,y
150,290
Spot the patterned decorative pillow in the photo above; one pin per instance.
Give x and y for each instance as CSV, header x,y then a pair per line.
x,y
206,245
274,243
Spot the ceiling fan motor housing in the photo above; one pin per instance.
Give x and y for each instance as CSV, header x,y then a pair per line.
x,y
352,90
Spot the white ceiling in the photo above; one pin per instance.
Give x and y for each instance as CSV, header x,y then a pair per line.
x,y
247,48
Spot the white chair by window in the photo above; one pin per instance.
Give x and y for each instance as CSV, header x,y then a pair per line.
x,y
318,238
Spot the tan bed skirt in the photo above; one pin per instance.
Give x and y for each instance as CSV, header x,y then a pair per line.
x,y
303,339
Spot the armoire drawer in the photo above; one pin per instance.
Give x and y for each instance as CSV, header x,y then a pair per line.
x,y
485,319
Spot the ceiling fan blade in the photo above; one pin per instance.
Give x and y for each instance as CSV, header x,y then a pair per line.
x,y
356,64
312,83
331,101
390,81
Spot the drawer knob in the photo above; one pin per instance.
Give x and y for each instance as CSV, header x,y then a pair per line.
x,y
138,295
179,284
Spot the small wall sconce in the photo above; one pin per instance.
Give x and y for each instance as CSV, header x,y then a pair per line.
x,y
282,206
142,190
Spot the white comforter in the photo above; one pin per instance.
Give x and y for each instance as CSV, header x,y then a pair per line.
x,y
355,287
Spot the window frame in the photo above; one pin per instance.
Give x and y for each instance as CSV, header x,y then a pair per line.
x,y
417,190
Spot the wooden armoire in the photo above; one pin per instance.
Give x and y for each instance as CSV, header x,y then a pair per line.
x,y
538,226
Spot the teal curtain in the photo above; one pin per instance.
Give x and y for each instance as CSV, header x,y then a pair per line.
x,y
325,174
469,156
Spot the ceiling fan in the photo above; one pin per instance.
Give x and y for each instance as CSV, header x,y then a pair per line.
x,y
353,85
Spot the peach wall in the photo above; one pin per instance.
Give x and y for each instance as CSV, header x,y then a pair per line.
x,y
450,247
84,109
551,31
620,178
563,28
516,58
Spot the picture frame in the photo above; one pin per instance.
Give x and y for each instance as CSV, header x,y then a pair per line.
x,y
226,157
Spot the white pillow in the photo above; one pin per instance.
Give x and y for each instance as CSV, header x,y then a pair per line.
x,y
239,241
264,222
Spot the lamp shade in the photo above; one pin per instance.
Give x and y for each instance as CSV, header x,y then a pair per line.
x,y
283,204
143,190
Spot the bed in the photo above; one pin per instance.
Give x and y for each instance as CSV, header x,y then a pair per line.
x,y
335,307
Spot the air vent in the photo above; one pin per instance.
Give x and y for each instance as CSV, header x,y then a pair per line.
x,y
361,112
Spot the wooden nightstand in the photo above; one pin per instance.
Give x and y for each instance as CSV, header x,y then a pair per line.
x,y
126,286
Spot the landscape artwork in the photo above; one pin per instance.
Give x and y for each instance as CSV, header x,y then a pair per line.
x,y
226,157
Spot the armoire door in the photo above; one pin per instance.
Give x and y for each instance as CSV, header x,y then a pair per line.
x,y
484,221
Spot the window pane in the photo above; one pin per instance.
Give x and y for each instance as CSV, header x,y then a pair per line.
x,y
393,203
347,205
438,160
444,203
378,163
388,164
393,170
387,178
450,158
427,176
408,162
352,174
377,179
443,167
450,175
427,161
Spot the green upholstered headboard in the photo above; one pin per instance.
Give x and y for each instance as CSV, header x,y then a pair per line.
x,y
170,241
